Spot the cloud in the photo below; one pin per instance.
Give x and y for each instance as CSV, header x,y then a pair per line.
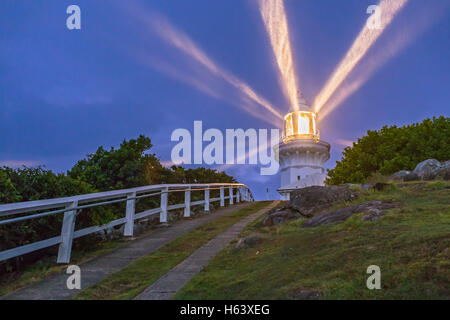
x,y
19,163
344,142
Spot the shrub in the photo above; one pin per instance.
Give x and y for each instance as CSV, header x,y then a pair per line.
x,y
391,149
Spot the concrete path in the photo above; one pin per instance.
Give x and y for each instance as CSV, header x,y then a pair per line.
x,y
97,269
165,287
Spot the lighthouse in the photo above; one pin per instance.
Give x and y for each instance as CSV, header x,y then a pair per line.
x,y
301,152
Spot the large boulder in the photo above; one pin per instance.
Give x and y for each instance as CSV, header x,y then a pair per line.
x,y
314,199
372,209
445,165
428,169
411,177
307,202
444,170
400,175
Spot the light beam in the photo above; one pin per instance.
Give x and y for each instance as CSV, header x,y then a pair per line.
x,y
182,42
274,17
366,38
399,41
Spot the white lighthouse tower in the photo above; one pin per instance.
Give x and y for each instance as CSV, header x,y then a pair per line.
x,y
302,153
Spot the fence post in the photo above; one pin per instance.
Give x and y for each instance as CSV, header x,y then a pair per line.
x,y
231,195
163,214
206,199
67,230
187,202
222,197
238,195
129,216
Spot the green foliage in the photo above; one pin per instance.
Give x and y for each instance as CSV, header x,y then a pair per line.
x,y
391,149
122,168
28,184
8,192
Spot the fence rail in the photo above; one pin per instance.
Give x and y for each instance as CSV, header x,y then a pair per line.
x,y
72,206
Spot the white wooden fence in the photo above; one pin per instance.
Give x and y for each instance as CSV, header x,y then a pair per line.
x,y
71,206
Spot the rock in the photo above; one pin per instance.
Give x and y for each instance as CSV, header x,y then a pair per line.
x,y
372,208
280,216
316,198
400,175
411,177
428,169
308,201
372,215
248,242
365,186
304,294
329,217
445,165
444,170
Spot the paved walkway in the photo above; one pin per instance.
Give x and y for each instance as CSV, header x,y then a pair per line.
x,y
97,269
165,287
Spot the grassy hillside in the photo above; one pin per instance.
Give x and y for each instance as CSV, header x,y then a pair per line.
x,y
411,245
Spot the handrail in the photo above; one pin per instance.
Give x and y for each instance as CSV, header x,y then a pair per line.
x,y
72,206
23,207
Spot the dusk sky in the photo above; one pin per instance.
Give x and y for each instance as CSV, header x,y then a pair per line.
x,y
64,93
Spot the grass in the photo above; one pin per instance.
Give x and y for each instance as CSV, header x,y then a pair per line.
x,y
48,266
133,279
411,245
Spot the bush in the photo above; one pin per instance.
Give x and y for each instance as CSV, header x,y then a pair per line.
x,y
391,149
122,168
27,184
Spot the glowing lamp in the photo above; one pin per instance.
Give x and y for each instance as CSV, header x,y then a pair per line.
x,y
300,125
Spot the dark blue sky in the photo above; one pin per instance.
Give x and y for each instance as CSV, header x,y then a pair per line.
x,y
64,93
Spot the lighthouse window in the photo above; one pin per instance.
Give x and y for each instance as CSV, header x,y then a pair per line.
x,y
289,127
298,178
303,124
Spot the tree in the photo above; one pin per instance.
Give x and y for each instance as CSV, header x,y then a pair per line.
x,y
391,149
122,168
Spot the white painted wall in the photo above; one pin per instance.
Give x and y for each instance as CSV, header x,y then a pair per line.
x,y
305,158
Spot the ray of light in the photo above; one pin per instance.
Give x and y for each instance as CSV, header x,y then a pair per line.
x,y
206,86
247,155
402,38
274,17
365,39
182,42
179,75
